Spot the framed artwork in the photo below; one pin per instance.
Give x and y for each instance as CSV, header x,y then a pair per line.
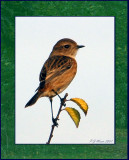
x,y
29,30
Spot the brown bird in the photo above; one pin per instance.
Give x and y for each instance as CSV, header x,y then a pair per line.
x,y
57,72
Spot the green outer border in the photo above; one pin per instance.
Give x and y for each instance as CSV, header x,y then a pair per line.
x,y
10,9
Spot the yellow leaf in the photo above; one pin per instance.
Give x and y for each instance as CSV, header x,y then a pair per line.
x,y
74,114
81,103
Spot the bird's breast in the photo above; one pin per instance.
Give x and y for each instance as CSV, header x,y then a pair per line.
x,y
61,82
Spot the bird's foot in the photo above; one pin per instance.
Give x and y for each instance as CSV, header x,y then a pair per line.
x,y
63,101
54,120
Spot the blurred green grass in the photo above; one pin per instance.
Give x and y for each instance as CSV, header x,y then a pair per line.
x,y
10,9
117,151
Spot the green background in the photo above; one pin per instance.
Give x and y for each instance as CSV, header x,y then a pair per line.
x,y
9,10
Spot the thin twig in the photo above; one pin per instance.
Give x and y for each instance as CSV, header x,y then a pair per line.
x,y
63,100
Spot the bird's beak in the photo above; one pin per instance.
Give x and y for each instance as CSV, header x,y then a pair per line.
x,y
80,46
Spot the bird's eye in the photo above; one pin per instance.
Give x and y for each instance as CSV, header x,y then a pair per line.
x,y
67,46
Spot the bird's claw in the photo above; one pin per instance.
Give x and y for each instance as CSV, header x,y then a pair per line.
x,y
54,120
63,102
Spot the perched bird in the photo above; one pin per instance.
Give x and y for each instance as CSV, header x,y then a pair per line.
x,y
58,71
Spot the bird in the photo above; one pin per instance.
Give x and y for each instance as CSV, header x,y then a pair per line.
x,y
57,72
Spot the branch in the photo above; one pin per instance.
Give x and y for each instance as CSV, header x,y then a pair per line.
x,y
63,100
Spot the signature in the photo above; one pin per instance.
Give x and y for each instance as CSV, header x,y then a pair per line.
x,y
93,141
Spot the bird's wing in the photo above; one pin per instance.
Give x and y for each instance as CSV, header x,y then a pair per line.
x,y
54,67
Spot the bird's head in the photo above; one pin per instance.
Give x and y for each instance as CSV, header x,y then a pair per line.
x,y
66,47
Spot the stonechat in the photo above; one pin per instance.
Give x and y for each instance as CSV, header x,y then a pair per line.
x,y
58,71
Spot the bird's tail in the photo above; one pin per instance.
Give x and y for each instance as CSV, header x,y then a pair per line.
x,y
33,100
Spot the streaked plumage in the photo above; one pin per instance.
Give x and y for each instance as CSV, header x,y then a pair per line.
x,y
58,71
